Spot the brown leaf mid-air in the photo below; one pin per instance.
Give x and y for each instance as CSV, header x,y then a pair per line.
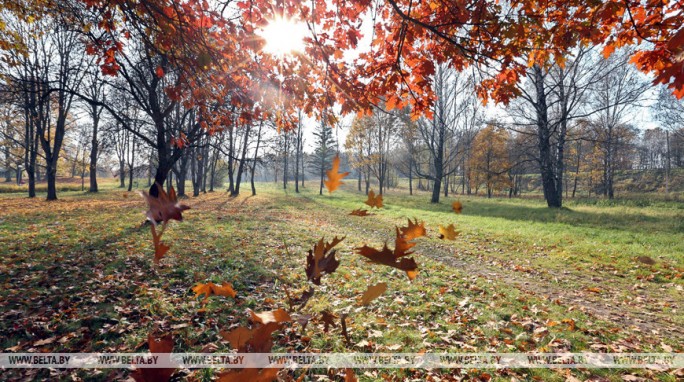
x,y
328,319
457,207
157,345
373,200
301,300
448,233
334,176
414,230
237,337
268,374
401,245
256,340
373,292
279,315
209,289
387,257
319,261
163,207
359,212
402,248
160,248
349,375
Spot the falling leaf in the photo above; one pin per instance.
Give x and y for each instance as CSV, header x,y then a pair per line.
x,y
157,345
328,319
334,176
457,207
414,230
237,337
448,233
387,257
373,200
209,289
402,246
373,292
345,333
278,315
319,261
349,375
256,340
160,248
252,375
159,72
359,212
163,207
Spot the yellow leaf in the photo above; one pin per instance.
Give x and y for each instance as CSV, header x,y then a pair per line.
x,y
448,233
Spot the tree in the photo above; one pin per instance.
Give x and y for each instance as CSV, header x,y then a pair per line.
x,y
358,147
456,108
94,88
615,96
323,153
489,164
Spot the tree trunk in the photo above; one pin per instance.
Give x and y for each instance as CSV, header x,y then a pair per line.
x,y
544,137
122,174
51,175
94,153
243,158
410,176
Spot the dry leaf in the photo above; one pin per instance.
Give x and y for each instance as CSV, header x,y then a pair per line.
x,y
349,375
251,375
448,233
373,200
328,319
334,176
387,257
359,212
278,315
319,261
163,207
414,230
157,345
373,292
209,289
646,260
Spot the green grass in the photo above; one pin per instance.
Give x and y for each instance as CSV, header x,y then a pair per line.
x,y
80,270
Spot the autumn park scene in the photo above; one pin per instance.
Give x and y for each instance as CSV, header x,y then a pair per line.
x,y
341,190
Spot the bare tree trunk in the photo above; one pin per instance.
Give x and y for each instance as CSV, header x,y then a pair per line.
x,y
94,151
243,158
256,156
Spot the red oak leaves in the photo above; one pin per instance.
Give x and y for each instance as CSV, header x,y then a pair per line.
x,y
319,261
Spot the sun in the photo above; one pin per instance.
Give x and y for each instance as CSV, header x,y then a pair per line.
x,y
283,36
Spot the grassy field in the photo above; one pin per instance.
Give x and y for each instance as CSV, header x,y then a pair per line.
x,y
77,275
